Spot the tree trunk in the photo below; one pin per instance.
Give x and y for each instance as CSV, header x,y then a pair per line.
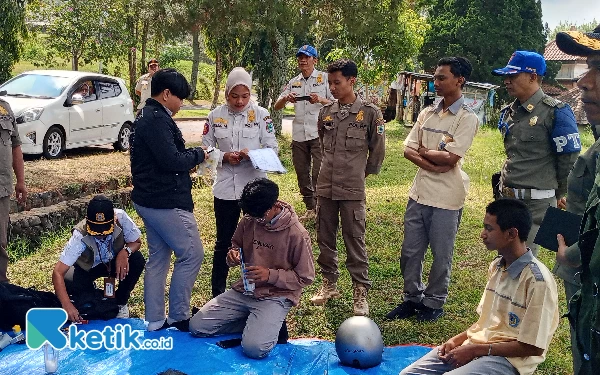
x,y
75,61
195,60
132,55
144,46
278,79
218,77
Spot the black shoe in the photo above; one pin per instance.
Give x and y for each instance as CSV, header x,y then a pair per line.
x,y
283,334
428,314
405,310
182,325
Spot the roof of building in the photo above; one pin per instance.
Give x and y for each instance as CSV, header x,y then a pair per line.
x,y
553,90
572,98
553,53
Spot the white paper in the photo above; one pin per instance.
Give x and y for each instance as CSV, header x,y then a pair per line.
x,y
266,160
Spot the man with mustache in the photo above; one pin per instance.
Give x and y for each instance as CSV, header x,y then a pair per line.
x,y
540,139
583,258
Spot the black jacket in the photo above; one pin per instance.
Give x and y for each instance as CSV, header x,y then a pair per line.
x,y
160,163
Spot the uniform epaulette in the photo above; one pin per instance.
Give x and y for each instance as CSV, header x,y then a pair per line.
x,y
535,270
369,104
552,102
329,104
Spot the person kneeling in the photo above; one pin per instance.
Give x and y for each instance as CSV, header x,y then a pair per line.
x,y
518,312
105,243
277,253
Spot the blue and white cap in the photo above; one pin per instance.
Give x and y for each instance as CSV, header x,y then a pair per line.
x,y
523,62
307,50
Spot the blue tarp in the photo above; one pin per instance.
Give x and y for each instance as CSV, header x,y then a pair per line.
x,y
200,356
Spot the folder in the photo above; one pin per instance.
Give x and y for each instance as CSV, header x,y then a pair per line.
x,y
557,221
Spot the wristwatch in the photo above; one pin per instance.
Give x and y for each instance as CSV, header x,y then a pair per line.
x,y
128,251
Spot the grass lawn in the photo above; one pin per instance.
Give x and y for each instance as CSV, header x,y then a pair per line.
x,y
386,202
189,113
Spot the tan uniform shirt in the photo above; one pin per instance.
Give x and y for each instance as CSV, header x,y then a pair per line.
x,y
9,139
143,85
452,131
352,147
531,158
520,303
304,125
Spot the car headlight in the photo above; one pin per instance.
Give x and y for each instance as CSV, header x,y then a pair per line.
x,y
29,115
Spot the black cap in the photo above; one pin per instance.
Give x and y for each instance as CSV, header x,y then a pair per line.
x,y
100,218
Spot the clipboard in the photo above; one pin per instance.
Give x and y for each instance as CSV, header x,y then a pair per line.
x,y
557,221
266,160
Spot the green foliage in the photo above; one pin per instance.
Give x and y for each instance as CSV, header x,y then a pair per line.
x,y
173,53
486,32
87,30
206,74
586,27
12,27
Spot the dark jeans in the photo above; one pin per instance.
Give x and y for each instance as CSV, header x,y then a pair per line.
x,y
83,281
227,216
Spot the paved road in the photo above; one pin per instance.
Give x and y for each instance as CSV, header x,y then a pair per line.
x,y
192,129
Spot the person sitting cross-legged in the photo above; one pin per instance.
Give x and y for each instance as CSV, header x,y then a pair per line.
x,y
277,253
518,311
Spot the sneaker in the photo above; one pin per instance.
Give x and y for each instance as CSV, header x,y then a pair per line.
x,y
361,306
157,325
328,290
428,314
405,310
123,312
308,215
181,325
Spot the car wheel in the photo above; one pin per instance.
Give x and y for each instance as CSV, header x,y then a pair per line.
x,y
123,143
54,143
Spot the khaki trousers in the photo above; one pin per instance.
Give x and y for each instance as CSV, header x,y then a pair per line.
x,y
352,214
302,154
4,207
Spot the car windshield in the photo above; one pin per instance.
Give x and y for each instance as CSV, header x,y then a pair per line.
x,y
35,86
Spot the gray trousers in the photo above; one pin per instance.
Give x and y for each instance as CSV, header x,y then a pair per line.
x,y
170,231
259,320
4,208
352,214
430,364
428,226
302,153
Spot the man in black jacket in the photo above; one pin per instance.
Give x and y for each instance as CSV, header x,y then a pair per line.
x,y
160,166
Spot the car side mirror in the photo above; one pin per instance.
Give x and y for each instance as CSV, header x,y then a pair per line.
x,y
77,99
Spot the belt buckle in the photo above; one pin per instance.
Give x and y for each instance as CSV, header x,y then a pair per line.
x,y
508,192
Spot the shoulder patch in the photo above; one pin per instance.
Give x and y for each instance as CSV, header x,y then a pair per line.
x,y
468,108
535,270
564,131
552,102
206,128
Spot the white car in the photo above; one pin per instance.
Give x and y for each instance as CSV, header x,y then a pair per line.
x,y
60,109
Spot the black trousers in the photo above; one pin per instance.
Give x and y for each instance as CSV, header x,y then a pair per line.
x,y
227,216
83,281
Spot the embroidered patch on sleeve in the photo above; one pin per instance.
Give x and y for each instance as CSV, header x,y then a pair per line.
x,y
206,128
269,125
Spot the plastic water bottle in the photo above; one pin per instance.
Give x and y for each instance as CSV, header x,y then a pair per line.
x,y
248,285
11,338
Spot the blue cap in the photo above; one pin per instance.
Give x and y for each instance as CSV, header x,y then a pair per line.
x,y
307,50
523,62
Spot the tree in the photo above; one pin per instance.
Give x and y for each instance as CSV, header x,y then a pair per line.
x,y
12,26
87,30
566,26
486,32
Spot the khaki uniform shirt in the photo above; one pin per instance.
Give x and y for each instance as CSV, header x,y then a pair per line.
x,y
143,85
227,131
351,147
520,303
452,131
304,125
9,139
532,159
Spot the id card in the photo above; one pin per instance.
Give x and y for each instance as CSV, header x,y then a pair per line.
x,y
109,287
